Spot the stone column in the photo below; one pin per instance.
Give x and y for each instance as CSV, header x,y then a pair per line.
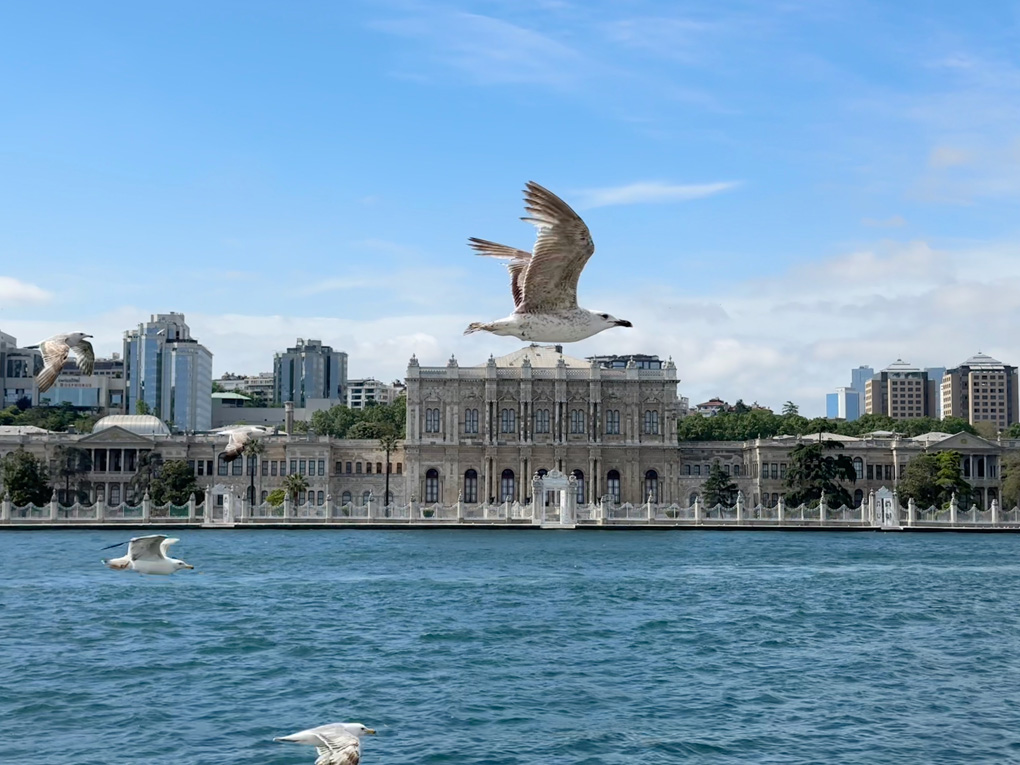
x,y
911,512
995,512
329,506
871,507
954,508
781,509
568,503
697,508
649,511
146,508
54,506
368,505
99,509
740,506
192,508
822,507
460,506
286,506
5,508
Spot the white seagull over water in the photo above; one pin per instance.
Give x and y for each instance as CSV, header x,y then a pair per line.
x,y
544,281
54,351
240,436
336,743
147,555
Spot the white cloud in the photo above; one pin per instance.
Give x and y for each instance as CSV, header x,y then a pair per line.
x,y
16,292
651,191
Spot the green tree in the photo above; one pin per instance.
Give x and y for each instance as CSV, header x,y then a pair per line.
x,y
174,483
216,387
1011,479
71,465
141,481
294,484
790,408
931,479
719,489
814,470
740,407
986,429
24,478
275,497
142,408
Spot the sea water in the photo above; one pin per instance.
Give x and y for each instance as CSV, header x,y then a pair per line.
x,y
501,647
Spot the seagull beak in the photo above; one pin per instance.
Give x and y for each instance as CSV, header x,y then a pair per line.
x,y
623,323
188,565
369,730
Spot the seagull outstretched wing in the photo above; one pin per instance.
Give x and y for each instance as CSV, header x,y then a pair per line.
x,y
152,547
55,351
561,251
519,260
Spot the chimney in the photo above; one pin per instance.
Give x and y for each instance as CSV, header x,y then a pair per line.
x,y
288,417
559,349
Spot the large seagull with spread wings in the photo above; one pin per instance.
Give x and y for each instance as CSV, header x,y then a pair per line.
x,y
544,281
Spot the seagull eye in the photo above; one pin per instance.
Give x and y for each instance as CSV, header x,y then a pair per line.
x,y
605,316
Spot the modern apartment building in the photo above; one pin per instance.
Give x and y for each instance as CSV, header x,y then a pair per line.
x,y
901,391
981,389
18,368
309,370
367,391
170,371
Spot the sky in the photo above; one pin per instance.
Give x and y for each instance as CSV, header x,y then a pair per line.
x,y
778,191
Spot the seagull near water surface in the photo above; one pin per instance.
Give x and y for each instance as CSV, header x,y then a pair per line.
x,y
544,281
55,350
335,743
147,555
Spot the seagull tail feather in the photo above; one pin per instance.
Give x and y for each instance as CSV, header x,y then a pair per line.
x,y
475,326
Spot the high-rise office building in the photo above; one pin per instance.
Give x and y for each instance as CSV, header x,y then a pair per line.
x,y
309,370
981,389
170,371
844,404
902,392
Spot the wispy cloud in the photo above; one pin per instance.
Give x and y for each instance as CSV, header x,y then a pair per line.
x,y
16,292
489,50
650,192
893,221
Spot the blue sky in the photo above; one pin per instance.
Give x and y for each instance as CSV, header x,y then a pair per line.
x,y
777,192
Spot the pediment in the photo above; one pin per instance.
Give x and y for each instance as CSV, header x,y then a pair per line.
x,y
116,436
965,442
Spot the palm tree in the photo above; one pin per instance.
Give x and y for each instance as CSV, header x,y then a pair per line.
x,y
252,451
388,439
294,484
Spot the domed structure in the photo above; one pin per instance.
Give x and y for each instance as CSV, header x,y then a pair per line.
x,y
139,424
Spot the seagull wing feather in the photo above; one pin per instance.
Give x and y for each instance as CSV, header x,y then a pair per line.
x,y
164,546
146,548
54,352
562,249
86,357
518,264
238,438
338,748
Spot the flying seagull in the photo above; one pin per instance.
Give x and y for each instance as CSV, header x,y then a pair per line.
x,y
147,555
240,436
544,281
336,743
54,352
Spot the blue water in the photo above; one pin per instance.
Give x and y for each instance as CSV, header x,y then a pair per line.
x,y
503,647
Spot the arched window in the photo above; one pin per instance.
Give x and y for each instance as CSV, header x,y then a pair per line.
x,y
471,486
651,422
541,420
301,498
613,485
858,496
365,497
320,498
368,467
378,468
692,499
651,485
221,465
577,421
612,422
400,468
508,421
265,495
432,485
471,421
349,470
345,498
507,486
580,486
775,500
858,469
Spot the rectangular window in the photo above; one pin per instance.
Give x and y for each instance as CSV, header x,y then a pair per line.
x,y
200,467
368,467
191,464
870,472
508,421
208,467
697,470
471,421
775,470
888,472
727,467
272,467
357,467
237,466
542,421
265,467
221,469
613,422
348,468
337,468
322,467
687,469
301,467
782,470
293,467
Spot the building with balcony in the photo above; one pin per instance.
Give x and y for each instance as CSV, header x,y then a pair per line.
x,y
368,391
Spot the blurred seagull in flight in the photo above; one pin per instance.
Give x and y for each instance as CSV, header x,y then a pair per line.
x,y
54,352
336,743
544,281
147,555
239,437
